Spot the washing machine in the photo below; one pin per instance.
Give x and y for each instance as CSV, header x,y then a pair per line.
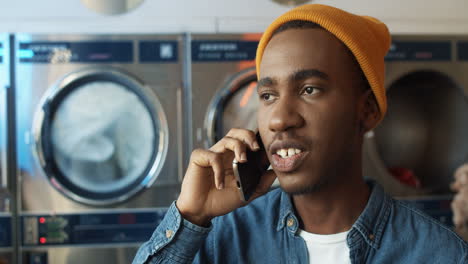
x,y
423,139
99,130
6,187
223,86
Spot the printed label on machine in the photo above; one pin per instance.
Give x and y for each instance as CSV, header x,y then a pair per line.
x,y
5,231
84,52
158,51
462,48
420,51
92,228
222,50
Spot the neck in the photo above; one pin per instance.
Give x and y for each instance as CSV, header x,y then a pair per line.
x,y
334,208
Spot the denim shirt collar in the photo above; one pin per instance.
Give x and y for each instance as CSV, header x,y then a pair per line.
x,y
370,224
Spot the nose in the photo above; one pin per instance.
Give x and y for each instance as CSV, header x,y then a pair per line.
x,y
285,115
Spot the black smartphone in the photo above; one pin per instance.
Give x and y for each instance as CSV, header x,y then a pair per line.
x,y
248,174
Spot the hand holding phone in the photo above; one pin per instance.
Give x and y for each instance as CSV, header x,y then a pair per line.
x,y
210,188
248,174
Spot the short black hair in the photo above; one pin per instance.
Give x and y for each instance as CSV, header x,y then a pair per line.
x,y
303,24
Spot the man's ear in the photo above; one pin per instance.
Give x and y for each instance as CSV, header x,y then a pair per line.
x,y
370,112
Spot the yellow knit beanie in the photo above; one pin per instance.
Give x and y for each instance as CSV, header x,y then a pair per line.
x,y
366,37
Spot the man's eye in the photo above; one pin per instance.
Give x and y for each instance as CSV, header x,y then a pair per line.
x,y
310,90
266,97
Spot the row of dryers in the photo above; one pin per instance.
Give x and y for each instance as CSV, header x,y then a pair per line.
x,y
96,132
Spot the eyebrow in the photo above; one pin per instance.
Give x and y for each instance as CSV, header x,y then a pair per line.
x,y
296,76
267,81
309,73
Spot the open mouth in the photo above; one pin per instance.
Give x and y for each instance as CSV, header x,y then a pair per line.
x,y
288,159
288,152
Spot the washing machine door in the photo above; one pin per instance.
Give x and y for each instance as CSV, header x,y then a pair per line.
x,y
423,138
101,136
233,106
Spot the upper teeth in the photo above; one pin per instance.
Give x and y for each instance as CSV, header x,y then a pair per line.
x,y
284,153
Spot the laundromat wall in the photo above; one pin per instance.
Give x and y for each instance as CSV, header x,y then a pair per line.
x,y
220,16
197,40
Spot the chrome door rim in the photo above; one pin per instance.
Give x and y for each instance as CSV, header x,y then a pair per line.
x,y
154,107
235,83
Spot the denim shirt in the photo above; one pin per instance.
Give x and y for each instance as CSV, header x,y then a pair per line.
x,y
266,231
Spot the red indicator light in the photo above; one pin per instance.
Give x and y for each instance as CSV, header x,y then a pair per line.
x,y
42,240
42,220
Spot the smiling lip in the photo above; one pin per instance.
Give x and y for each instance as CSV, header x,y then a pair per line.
x,y
288,164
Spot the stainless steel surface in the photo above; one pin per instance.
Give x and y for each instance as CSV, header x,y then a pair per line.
x,y
233,106
7,186
6,258
44,193
107,176
112,7
424,132
213,85
5,189
79,255
291,2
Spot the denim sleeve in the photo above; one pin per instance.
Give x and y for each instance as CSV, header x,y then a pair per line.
x,y
175,240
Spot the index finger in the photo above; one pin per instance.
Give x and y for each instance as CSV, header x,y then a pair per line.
x,y
245,135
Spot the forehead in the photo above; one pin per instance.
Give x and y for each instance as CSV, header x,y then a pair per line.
x,y
298,49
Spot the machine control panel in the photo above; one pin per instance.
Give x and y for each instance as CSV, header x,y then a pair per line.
x,y
90,228
420,51
462,48
223,50
5,230
158,51
76,52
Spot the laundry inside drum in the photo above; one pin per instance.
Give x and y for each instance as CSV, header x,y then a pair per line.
x,y
103,137
423,138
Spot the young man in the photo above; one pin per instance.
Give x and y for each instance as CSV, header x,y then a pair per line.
x,y
321,75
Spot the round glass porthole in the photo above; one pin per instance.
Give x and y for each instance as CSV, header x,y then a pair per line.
x,y
234,106
422,139
102,136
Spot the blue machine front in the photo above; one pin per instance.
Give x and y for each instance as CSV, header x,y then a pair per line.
x,y
5,231
158,51
223,50
84,52
438,208
420,51
462,48
92,228
413,51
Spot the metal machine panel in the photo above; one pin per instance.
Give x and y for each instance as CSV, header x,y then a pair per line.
x,y
222,69
98,134
415,151
7,191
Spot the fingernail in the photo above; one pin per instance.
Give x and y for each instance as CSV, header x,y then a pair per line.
x,y
255,145
221,185
243,156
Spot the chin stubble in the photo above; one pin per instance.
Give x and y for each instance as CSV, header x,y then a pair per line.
x,y
312,188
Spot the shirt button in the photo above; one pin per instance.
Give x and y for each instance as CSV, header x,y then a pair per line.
x,y
371,236
290,222
169,233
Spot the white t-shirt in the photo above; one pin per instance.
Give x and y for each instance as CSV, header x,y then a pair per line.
x,y
327,248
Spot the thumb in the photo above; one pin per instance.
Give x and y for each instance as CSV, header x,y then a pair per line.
x,y
265,183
